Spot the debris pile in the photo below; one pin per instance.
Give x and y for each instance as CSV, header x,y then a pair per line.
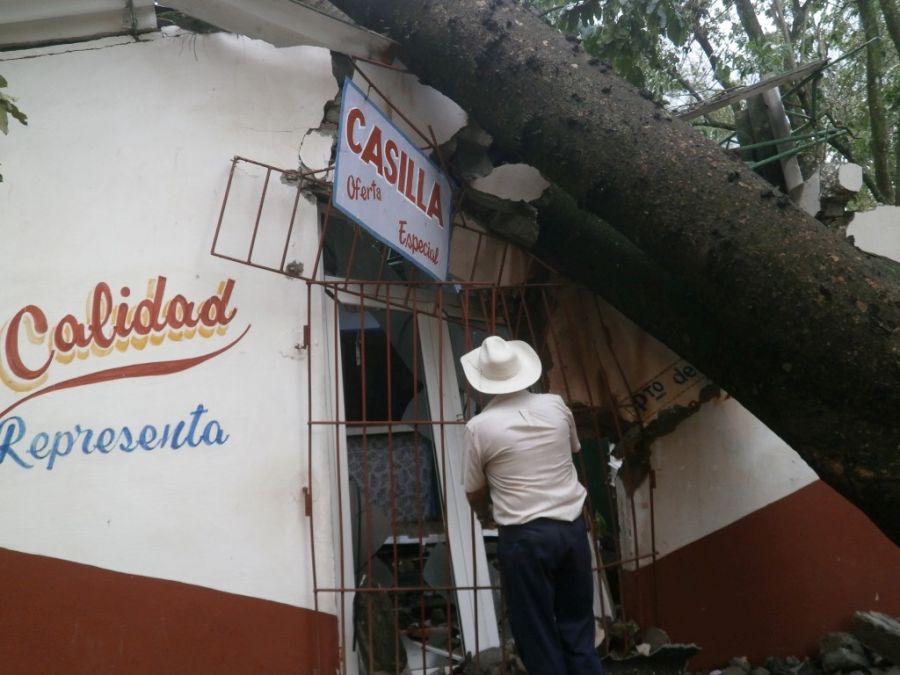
x,y
872,648
633,651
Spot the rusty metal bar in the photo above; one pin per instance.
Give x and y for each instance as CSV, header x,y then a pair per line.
x,y
505,308
337,462
352,255
290,172
443,431
361,346
392,490
234,162
425,282
553,336
309,478
251,264
325,222
381,263
287,239
422,588
467,341
477,254
417,414
262,200
651,487
515,326
383,423
502,267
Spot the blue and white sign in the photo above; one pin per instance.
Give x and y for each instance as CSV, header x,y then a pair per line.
x,y
385,183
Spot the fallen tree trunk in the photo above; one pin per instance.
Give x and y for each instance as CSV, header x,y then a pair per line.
x,y
808,325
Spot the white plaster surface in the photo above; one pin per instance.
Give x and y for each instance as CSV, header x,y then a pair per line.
x,y
517,182
850,177
422,105
877,231
119,177
715,468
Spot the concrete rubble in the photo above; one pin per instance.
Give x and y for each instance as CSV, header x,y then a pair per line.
x,y
872,648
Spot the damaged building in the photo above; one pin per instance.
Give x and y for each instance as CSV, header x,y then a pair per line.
x,y
231,436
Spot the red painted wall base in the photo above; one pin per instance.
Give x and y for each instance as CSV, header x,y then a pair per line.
x,y
62,617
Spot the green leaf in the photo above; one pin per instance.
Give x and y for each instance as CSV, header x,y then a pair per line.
x,y
3,82
7,106
19,115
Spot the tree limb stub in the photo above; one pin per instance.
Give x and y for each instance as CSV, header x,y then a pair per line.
x,y
813,320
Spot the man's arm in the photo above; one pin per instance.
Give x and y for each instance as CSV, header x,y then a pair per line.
x,y
479,498
480,501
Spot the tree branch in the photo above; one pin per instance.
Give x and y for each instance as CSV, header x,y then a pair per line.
x,y
554,9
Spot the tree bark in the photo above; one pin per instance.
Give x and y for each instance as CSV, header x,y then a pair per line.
x,y
747,14
897,164
878,143
806,325
891,15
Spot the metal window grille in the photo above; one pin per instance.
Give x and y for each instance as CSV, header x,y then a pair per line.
x,y
414,578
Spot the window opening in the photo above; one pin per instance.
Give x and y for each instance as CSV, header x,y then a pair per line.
x,y
415,564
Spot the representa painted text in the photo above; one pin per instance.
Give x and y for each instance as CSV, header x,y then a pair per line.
x,y
25,450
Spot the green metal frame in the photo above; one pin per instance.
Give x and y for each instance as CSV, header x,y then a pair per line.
x,y
813,138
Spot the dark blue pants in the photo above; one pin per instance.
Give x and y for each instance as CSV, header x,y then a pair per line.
x,y
546,570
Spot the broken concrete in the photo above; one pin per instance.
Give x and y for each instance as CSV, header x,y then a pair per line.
x,y
669,659
872,649
840,652
880,633
877,231
494,661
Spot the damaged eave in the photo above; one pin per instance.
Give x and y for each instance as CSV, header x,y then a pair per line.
x,y
25,23
288,23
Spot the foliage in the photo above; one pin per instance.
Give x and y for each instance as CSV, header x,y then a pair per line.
x,y
687,50
638,37
8,107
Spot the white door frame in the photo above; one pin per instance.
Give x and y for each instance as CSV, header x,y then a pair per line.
x,y
477,617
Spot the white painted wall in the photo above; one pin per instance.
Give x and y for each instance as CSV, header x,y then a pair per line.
x,y
716,467
119,177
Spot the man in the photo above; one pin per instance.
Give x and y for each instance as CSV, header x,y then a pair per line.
x,y
520,474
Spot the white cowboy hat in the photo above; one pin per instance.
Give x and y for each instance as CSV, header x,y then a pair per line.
x,y
501,366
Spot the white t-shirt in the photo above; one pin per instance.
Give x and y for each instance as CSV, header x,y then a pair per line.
x,y
521,445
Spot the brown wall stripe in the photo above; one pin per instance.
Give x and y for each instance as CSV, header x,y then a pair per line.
x,y
58,617
773,582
